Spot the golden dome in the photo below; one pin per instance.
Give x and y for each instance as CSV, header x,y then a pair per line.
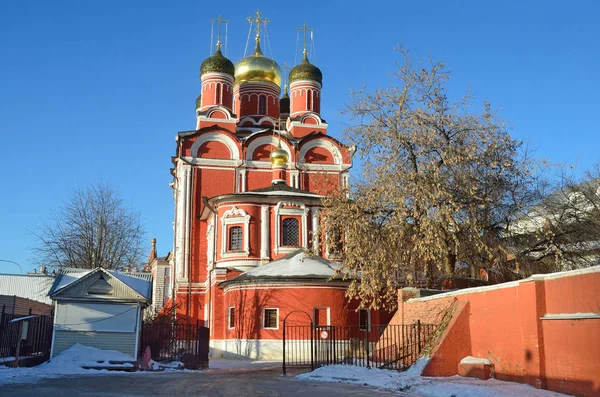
x,y
279,156
257,67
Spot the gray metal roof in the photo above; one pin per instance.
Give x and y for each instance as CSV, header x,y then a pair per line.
x,y
139,282
27,286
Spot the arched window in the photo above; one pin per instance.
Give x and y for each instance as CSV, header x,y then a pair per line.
x,y
235,238
309,99
290,233
262,105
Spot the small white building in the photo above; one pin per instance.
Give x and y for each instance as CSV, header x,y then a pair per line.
x,y
99,308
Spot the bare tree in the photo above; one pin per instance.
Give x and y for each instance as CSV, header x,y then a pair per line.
x,y
563,231
93,229
440,184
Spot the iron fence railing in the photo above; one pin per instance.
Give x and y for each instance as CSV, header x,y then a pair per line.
x,y
388,346
170,341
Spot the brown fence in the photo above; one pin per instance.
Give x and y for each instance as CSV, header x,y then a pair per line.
x,y
173,341
36,341
392,346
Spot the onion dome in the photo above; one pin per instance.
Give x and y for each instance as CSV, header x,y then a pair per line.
x,y
199,101
279,156
217,63
306,71
257,67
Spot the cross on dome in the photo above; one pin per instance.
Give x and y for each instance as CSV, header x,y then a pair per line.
x,y
305,29
258,20
219,21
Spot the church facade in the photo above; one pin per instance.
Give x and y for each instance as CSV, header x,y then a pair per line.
x,y
248,182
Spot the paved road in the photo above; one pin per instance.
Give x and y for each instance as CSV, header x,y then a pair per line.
x,y
265,381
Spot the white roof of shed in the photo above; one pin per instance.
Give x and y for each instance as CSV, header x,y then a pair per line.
x,y
139,282
26,286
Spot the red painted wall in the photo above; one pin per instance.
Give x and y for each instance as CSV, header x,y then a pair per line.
x,y
251,302
505,325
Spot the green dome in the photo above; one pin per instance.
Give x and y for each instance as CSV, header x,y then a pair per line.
x,y
199,101
306,71
217,63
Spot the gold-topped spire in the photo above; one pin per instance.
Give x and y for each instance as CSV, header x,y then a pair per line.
x,y
306,29
219,21
279,156
258,20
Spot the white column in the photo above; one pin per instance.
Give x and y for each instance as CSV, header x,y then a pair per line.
x,y
180,221
305,228
243,181
264,232
315,230
188,205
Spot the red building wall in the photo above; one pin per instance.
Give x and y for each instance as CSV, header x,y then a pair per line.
x,y
528,329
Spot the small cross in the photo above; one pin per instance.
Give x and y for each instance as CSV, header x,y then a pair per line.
x,y
306,29
287,68
258,20
219,21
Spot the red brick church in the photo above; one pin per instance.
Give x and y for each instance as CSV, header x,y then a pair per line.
x,y
248,183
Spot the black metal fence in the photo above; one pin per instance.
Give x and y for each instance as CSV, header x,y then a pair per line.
x,y
35,341
173,341
392,346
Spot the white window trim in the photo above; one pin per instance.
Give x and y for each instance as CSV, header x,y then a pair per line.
x,y
235,216
280,212
328,314
229,310
263,317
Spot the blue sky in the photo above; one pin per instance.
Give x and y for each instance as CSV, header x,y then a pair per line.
x,y
95,91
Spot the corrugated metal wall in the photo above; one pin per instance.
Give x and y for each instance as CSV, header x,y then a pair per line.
x,y
25,286
18,305
121,341
7,303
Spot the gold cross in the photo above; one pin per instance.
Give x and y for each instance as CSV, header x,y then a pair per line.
x,y
258,20
219,21
306,29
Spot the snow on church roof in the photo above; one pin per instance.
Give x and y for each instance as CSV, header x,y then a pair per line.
x,y
297,265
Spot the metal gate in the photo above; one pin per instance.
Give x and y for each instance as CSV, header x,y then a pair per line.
x,y
388,346
176,341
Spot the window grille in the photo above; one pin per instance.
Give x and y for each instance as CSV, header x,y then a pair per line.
x,y
290,232
262,105
235,238
231,318
270,318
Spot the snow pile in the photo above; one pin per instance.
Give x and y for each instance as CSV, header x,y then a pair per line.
x,y
69,362
412,381
470,360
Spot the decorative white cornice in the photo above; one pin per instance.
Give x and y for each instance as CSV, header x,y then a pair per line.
x,y
266,140
322,143
216,137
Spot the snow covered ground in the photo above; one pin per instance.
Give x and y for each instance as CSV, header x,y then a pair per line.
x,y
425,386
67,363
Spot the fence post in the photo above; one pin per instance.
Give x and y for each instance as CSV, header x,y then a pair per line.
x,y
368,326
284,373
419,337
312,363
